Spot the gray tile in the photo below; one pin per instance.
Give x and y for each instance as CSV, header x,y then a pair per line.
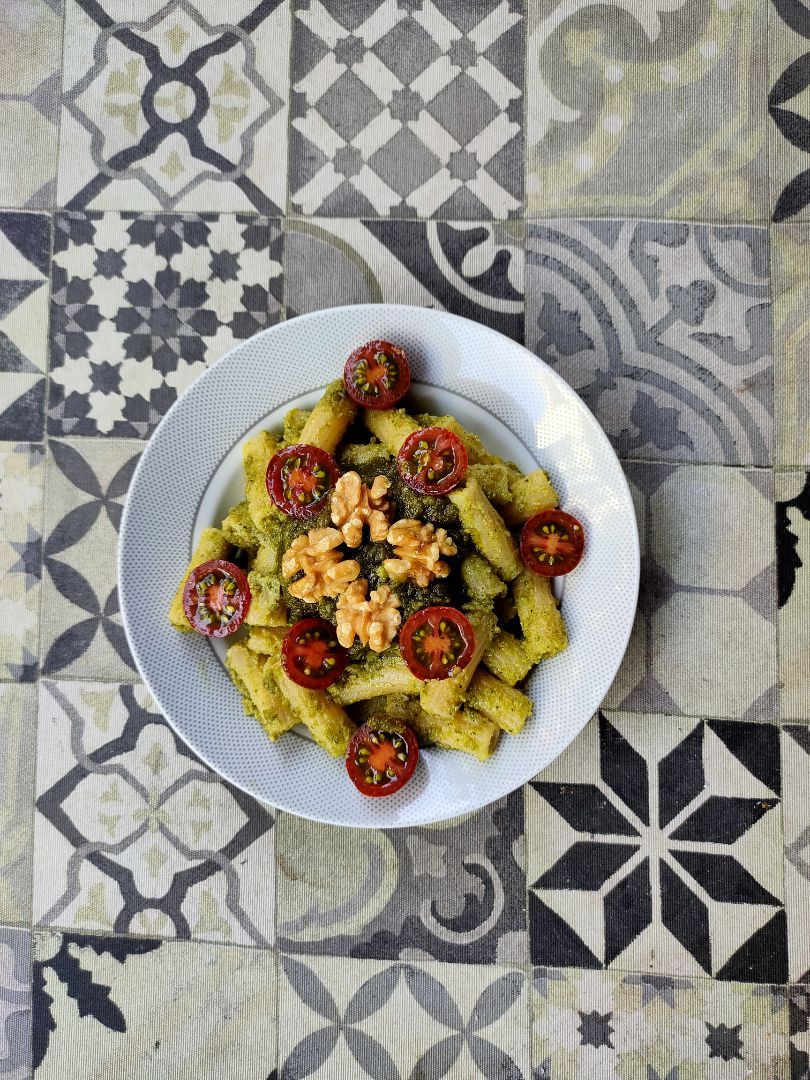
x,y
15,1004
19,711
22,476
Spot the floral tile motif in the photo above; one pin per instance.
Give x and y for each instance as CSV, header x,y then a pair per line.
x,y
789,132
25,241
663,328
22,475
474,269
795,771
15,1004
82,633
31,31
799,1033
143,1008
450,1020
697,616
167,106
133,834
141,304
409,110
452,891
793,563
790,268
650,109
18,707
655,844
601,1025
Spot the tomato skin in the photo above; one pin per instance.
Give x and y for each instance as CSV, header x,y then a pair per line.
x,y
299,479
376,385
433,633
433,449
551,543
218,591
311,642
367,759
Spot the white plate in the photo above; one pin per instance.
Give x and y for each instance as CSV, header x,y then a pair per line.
x,y
190,473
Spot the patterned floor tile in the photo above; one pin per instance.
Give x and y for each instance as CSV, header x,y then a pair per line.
x,y
15,1004
654,843
663,328
25,242
147,1009
31,32
795,771
452,891
698,615
167,106
141,304
789,107
133,834
470,269
799,1033
651,109
449,1020
602,1025
409,110
790,268
793,563
22,475
18,707
82,634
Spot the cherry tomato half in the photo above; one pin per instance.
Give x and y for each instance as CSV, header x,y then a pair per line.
x,y
377,375
432,461
436,642
216,598
299,479
381,762
311,654
551,543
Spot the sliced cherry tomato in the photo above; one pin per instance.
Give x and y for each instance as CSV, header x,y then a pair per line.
x,y
432,461
216,598
377,375
436,642
311,654
299,479
381,762
551,543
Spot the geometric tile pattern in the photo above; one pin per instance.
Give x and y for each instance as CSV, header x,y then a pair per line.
x,y
18,707
175,106
701,611
15,1004
22,474
604,1024
790,268
647,110
407,110
469,269
663,328
453,891
150,1009
141,305
447,1020
655,846
795,770
25,241
82,634
134,834
789,108
799,1032
31,32
793,566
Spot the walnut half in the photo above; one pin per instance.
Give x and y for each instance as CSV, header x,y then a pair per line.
x,y
326,572
374,621
418,547
354,504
